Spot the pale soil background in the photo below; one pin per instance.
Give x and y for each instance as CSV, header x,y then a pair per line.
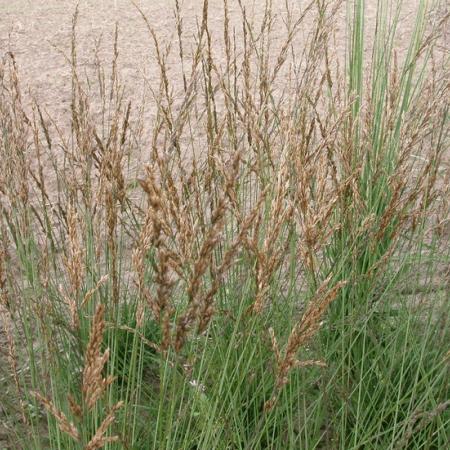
x,y
37,32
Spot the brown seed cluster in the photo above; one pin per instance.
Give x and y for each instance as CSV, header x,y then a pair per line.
x,y
94,387
308,326
63,423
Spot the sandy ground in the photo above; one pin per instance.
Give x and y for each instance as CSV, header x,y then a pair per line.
x,y
38,33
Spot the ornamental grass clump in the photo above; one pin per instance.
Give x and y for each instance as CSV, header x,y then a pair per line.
x,y
261,263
